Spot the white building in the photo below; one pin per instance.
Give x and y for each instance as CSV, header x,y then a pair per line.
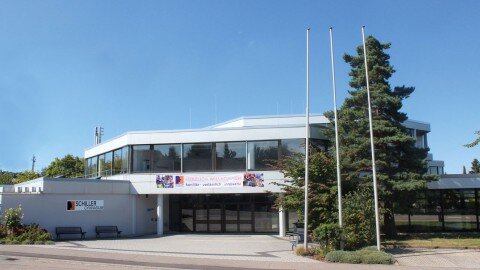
x,y
210,180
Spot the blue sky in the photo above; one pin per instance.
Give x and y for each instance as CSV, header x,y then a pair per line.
x,y
68,66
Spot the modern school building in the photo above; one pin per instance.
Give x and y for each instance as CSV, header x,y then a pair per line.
x,y
218,179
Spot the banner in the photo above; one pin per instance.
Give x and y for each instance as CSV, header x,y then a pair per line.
x,y
213,180
85,205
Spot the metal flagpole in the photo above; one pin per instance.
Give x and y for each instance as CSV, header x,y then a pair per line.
x,y
307,138
337,148
374,170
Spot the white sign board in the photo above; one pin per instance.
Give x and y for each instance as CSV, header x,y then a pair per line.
x,y
84,205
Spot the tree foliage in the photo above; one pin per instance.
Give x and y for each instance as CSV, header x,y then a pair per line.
x,y
69,166
476,141
475,166
25,176
400,165
321,185
6,178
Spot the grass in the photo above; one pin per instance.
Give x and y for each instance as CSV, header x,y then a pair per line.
x,y
436,240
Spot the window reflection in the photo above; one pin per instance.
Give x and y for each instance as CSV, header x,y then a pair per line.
x,y
197,157
141,158
230,156
166,158
262,155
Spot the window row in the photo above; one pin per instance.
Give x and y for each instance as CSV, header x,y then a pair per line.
x,y
196,157
114,162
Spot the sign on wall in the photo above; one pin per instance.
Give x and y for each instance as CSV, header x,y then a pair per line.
x,y
85,205
215,180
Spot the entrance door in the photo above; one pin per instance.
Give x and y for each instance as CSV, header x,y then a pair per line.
x,y
215,218
223,213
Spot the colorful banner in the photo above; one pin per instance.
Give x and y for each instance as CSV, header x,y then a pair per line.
x,y
85,205
213,180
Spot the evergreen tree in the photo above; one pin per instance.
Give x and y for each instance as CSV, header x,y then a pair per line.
x,y
464,170
476,141
475,166
400,165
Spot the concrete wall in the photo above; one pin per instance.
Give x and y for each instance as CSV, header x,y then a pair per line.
x,y
146,215
49,210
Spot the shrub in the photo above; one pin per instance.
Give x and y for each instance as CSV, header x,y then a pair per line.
x,y
328,235
316,252
359,219
3,231
26,242
12,218
39,242
365,256
336,256
35,233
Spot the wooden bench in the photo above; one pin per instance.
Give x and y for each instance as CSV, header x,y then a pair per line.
x,y
107,229
69,230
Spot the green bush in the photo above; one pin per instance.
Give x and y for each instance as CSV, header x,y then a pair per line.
x,y
316,252
12,218
336,256
365,256
359,219
39,242
328,236
27,242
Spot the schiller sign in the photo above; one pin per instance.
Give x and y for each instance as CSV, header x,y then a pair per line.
x,y
85,205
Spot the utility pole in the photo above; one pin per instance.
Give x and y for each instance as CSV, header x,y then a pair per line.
x,y
33,162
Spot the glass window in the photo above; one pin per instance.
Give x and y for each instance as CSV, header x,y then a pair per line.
x,y
101,164
141,158
197,157
230,156
108,164
266,219
117,161
91,168
166,158
262,155
125,159
292,146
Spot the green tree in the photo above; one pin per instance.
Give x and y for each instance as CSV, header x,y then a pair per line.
x,y
25,176
475,166
68,166
476,141
400,165
464,170
6,178
321,185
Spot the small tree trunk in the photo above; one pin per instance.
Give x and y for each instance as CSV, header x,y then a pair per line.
x,y
389,220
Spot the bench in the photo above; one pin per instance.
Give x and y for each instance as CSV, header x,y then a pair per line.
x,y
107,229
69,230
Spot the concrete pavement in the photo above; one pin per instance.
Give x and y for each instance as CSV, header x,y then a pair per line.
x,y
206,252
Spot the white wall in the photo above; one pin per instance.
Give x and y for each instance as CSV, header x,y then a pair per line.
x,y
49,210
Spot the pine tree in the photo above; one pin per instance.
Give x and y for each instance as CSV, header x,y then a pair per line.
x,y
400,165
475,166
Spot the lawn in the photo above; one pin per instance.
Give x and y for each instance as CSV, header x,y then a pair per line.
x,y
437,240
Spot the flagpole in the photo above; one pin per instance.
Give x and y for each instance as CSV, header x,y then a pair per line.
x,y
337,148
374,170
307,139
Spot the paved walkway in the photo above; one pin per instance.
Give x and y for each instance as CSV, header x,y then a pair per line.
x,y
221,252
449,258
230,247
